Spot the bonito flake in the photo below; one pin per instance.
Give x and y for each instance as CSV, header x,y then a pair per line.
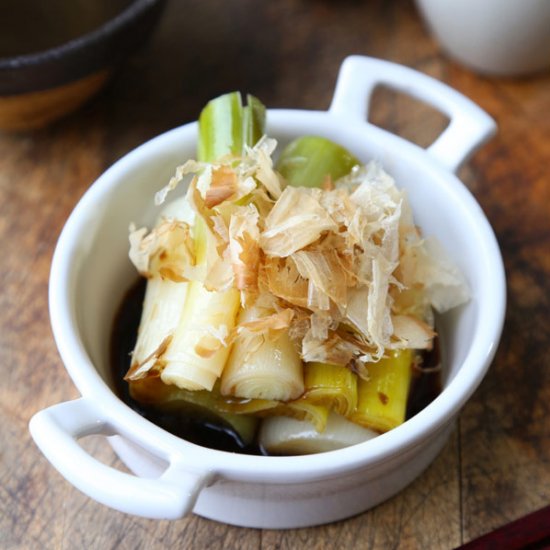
x,y
344,267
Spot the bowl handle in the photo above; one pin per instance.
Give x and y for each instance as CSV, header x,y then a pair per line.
x,y
469,126
56,431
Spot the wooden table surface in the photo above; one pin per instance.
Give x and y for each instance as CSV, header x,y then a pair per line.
x,y
495,467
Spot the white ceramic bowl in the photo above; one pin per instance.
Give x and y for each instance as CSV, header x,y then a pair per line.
x,y
90,273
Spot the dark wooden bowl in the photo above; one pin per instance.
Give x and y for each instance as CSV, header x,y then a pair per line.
x,y
39,87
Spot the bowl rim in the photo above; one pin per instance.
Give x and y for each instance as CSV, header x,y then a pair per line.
x,y
287,469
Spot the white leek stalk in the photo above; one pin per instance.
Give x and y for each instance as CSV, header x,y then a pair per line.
x,y
302,409
281,435
162,309
198,351
262,367
163,302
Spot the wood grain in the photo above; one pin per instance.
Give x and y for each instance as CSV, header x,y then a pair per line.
x,y
495,467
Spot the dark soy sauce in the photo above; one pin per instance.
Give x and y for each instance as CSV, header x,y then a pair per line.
x,y
426,381
202,428
193,423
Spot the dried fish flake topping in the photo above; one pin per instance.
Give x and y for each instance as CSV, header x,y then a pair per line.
x,y
345,268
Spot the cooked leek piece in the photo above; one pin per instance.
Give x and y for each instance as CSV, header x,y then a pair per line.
x,y
327,388
198,351
162,309
153,391
262,367
332,386
281,435
382,400
226,126
302,409
163,301
170,398
308,161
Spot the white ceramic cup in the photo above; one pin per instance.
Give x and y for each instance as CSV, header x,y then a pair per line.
x,y
504,37
91,271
